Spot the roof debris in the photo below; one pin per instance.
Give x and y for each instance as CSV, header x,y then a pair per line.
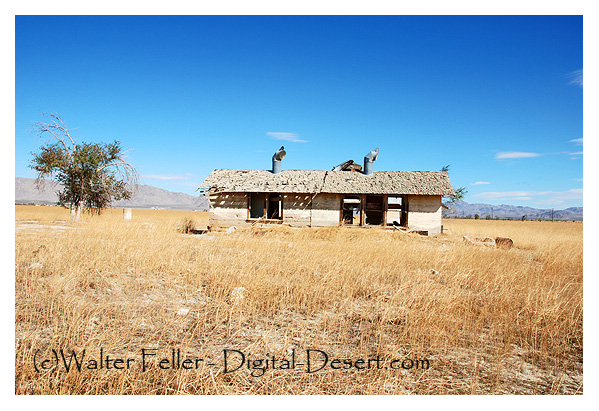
x,y
321,181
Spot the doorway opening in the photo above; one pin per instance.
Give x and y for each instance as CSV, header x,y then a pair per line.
x,y
373,210
274,207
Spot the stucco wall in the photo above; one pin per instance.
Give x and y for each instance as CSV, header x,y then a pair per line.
x,y
424,213
325,210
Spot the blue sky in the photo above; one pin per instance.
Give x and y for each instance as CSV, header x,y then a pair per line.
x,y
500,98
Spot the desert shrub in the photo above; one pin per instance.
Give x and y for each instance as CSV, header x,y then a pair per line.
x,y
187,226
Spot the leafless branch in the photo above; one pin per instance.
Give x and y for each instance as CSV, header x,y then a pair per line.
x,y
125,171
56,128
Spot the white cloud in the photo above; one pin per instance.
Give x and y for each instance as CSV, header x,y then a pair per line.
x,y
478,183
514,154
573,194
188,184
518,198
575,77
555,196
550,201
286,136
165,177
495,195
578,153
577,141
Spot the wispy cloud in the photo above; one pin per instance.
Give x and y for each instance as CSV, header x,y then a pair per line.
x,y
577,141
188,184
294,138
575,77
578,153
519,198
497,195
478,183
166,177
514,154
545,196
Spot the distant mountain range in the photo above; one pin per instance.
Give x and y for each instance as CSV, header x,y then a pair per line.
x,y
463,209
152,197
144,196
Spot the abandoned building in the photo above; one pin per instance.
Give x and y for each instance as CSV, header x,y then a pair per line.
x,y
345,195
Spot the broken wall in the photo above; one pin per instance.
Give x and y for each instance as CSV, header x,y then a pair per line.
x,y
296,210
228,209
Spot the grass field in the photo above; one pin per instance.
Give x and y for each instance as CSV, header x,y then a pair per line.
x,y
395,313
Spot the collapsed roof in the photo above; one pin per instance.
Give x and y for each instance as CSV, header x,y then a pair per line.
x,y
321,181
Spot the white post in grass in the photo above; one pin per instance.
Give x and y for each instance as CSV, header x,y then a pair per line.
x,y
127,214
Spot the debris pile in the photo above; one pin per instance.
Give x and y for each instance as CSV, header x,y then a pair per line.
x,y
499,242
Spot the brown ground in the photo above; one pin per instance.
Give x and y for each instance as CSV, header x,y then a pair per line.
x,y
489,321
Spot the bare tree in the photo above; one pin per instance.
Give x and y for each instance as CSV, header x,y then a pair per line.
x,y
92,175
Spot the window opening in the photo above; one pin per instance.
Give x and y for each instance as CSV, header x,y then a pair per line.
x,y
396,210
351,210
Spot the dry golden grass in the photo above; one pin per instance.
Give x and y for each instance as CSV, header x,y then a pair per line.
x,y
487,320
